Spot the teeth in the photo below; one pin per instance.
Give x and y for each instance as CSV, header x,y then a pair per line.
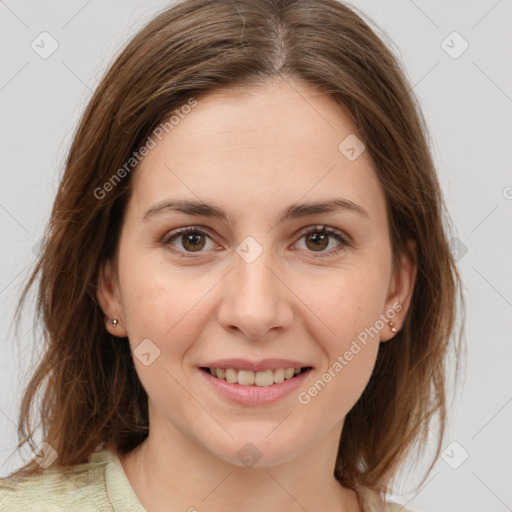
x,y
231,375
278,375
289,373
249,378
265,378
245,377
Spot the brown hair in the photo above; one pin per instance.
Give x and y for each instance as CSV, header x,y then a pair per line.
x,y
91,392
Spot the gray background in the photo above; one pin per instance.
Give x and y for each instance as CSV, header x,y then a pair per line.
x,y
467,102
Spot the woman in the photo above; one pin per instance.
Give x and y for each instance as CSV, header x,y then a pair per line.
x,y
246,286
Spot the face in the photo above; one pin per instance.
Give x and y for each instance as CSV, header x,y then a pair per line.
x,y
260,283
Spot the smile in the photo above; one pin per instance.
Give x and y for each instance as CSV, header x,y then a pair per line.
x,y
252,388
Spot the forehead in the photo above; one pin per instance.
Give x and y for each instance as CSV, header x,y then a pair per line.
x,y
253,148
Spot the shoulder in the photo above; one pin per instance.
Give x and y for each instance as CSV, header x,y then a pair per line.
x,y
371,501
396,507
80,487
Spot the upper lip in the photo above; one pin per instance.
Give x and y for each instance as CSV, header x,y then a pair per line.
x,y
255,366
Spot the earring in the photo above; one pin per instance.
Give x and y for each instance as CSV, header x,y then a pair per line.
x,y
114,322
392,325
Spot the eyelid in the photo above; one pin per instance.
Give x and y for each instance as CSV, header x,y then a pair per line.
x,y
323,228
186,229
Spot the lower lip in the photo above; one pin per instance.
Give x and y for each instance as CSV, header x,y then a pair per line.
x,y
255,395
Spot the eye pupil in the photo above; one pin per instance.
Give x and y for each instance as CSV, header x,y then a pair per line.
x,y
318,237
193,238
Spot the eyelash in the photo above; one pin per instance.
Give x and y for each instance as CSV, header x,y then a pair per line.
x,y
166,241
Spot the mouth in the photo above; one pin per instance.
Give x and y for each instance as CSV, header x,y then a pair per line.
x,y
263,378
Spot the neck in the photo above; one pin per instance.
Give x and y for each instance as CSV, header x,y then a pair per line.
x,y
190,478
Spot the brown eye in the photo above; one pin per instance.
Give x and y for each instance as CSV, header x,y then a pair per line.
x,y
187,240
193,241
317,239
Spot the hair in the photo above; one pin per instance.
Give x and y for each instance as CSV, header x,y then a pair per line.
x,y
90,392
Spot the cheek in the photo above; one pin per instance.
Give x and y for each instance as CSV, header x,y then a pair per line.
x,y
158,308
349,303
346,326
350,346
164,305
155,310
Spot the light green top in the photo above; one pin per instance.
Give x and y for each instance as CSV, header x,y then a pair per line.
x,y
100,485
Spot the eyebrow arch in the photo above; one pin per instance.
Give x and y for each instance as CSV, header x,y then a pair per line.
x,y
294,211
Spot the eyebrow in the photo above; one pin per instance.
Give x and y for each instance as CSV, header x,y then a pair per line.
x,y
294,211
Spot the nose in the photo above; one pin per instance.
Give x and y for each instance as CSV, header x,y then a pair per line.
x,y
256,298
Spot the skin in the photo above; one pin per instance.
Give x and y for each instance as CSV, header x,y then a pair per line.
x,y
251,154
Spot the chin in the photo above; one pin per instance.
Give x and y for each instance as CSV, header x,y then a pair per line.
x,y
254,451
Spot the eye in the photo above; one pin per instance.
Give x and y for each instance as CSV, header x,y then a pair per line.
x,y
193,239
317,239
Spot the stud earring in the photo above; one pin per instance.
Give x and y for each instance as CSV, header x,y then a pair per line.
x,y
392,325
114,322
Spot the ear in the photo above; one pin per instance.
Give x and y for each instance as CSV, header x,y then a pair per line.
x,y
108,295
400,291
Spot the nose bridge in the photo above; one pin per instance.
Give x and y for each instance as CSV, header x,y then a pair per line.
x,y
252,271
255,299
